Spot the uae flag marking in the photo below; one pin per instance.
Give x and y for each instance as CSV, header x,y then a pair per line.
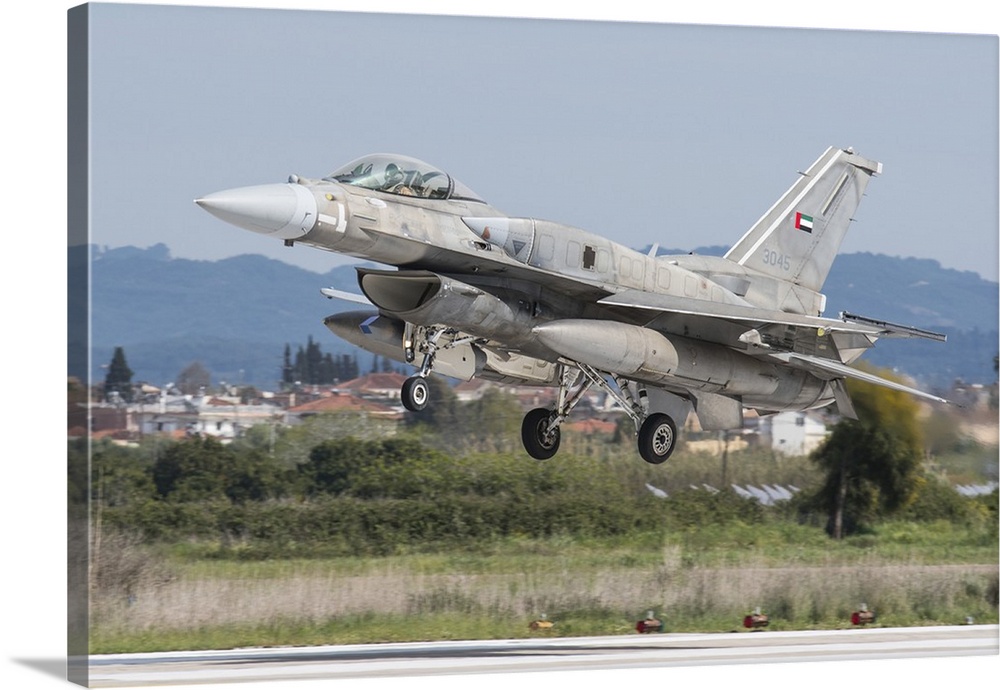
x,y
803,222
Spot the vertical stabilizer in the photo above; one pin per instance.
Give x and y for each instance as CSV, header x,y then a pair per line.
x,y
799,237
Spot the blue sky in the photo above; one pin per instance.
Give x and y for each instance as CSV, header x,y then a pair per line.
x,y
645,132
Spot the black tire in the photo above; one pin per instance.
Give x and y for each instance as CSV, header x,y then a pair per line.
x,y
657,438
540,446
415,394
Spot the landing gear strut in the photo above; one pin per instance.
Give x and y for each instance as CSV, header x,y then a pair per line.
x,y
540,429
415,393
656,432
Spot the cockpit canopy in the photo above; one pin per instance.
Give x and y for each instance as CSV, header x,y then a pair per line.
x,y
402,175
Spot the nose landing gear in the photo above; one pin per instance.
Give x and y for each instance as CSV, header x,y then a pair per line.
x,y
415,393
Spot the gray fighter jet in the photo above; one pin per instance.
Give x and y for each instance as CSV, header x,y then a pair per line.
x,y
477,293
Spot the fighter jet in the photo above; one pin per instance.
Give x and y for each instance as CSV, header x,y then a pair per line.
x,y
478,293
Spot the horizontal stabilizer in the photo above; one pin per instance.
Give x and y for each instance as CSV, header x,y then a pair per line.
x,y
334,293
821,366
891,330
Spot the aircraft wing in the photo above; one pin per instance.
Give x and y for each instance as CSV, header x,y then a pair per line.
x,y
757,316
825,368
836,340
753,316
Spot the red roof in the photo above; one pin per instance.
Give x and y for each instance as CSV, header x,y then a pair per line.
x,y
370,382
592,426
339,402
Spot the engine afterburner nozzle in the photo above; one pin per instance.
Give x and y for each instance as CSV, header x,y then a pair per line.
x,y
285,211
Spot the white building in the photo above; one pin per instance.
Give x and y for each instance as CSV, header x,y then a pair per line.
x,y
221,417
793,433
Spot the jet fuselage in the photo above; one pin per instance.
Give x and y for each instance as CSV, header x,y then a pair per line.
x,y
524,300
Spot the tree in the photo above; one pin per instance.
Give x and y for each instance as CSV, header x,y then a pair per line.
x,y
396,468
118,380
191,470
872,464
312,366
333,464
202,468
287,370
119,476
442,414
193,379
492,422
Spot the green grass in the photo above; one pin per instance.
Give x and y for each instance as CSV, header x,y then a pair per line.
x,y
703,580
778,543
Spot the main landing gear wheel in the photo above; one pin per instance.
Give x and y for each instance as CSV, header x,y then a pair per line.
x,y
657,438
415,393
540,443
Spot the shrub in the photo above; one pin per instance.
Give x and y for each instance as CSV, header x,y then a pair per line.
x,y
936,500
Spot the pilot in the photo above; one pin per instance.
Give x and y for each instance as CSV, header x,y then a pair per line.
x,y
393,176
394,181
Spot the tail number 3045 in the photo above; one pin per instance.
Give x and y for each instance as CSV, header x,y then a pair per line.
x,y
776,259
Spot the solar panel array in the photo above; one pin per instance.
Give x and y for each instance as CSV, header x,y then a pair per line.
x,y
769,494
976,489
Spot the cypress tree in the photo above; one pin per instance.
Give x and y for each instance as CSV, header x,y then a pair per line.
x,y
119,377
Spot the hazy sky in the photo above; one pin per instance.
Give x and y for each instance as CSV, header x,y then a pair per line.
x,y
644,132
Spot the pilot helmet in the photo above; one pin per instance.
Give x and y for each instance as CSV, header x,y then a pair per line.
x,y
392,173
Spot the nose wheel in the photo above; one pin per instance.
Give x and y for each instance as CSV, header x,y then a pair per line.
x,y
415,393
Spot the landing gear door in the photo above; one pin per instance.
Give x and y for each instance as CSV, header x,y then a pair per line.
x,y
673,405
458,361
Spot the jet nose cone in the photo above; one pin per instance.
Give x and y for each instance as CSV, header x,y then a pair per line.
x,y
285,211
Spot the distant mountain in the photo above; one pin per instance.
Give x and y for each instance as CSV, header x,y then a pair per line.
x,y
235,316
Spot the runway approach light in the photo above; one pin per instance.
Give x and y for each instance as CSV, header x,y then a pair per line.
x,y
542,623
650,624
756,620
863,616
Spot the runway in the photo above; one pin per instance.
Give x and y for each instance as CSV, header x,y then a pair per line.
x,y
535,655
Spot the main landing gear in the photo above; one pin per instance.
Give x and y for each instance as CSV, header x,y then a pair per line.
x,y
657,436
540,433
657,432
